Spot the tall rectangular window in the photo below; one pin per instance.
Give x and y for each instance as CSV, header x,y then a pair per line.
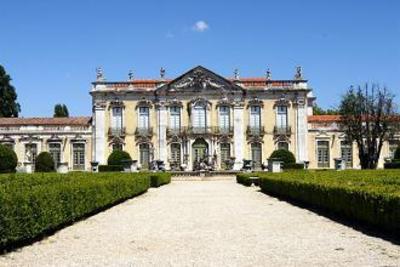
x,y
78,155
144,117
224,118
347,153
393,144
199,116
323,154
255,117
281,117
175,118
116,121
55,151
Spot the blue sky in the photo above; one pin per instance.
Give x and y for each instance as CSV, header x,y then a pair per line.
x,y
51,48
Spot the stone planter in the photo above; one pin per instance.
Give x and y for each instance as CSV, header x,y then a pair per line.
x,y
127,165
28,165
274,165
95,166
62,167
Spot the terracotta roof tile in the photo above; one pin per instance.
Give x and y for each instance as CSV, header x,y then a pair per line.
x,y
324,118
72,121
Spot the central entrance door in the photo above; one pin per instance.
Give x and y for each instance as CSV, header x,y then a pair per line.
x,y
200,151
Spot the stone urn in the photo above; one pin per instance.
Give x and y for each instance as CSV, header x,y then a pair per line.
x,y
62,167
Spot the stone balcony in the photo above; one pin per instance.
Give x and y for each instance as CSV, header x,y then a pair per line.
x,y
255,131
282,130
144,132
200,131
116,132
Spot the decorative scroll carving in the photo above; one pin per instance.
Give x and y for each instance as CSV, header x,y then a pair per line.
x,y
198,80
174,103
255,102
144,103
282,101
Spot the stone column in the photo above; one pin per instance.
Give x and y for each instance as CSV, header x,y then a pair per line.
x,y
238,135
162,120
99,133
301,130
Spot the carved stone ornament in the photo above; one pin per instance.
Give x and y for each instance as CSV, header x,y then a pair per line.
x,y
255,102
198,80
282,101
144,103
99,74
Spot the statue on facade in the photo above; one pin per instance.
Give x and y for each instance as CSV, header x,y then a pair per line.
x,y
236,74
130,75
268,75
162,73
99,74
299,73
28,156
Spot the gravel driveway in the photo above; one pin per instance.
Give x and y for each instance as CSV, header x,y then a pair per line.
x,y
206,223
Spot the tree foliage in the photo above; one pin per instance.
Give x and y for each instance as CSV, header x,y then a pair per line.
x,y
8,159
284,155
117,157
317,110
44,162
9,106
368,117
60,111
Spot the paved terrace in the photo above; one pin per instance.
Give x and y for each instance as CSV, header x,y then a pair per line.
x,y
206,223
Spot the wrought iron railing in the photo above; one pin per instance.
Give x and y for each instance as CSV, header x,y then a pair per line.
x,y
282,130
255,131
116,131
144,132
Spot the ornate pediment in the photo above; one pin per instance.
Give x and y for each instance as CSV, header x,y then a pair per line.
x,y
199,79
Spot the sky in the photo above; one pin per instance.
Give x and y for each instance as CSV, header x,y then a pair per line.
x,y
52,48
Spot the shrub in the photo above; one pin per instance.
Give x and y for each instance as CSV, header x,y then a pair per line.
x,y
117,157
159,178
33,205
244,179
44,162
8,159
111,168
397,154
370,197
392,165
284,155
293,166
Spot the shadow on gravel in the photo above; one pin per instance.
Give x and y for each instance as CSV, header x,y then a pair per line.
x,y
361,227
18,245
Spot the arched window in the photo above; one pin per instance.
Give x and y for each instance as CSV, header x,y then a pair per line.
x,y
144,152
175,118
144,122
225,150
256,155
255,117
281,117
199,117
224,119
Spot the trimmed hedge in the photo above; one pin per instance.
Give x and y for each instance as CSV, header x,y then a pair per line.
x,y
35,204
284,155
244,179
293,166
8,159
44,162
117,157
392,165
159,178
370,197
111,168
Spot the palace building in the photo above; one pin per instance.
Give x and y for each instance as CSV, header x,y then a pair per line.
x,y
197,117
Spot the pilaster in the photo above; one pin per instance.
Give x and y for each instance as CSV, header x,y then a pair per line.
x,y
301,130
238,135
99,132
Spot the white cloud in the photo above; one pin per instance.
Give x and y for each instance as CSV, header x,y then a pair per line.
x,y
200,26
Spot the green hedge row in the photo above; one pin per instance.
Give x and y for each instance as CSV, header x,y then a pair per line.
x,y
32,205
111,168
244,178
159,178
370,197
392,165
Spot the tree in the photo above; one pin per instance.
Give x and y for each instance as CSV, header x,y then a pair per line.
x,y
8,159
44,162
368,117
60,111
117,157
9,106
317,110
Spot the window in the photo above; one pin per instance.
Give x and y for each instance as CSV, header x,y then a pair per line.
x,y
347,153
144,151
78,154
117,146
175,155
225,154
393,144
116,122
175,118
323,154
144,117
281,117
283,145
255,117
224,119
256,156
199,116
55,151
31,152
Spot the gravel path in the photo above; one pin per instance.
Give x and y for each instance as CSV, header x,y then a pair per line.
x,y
206,223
